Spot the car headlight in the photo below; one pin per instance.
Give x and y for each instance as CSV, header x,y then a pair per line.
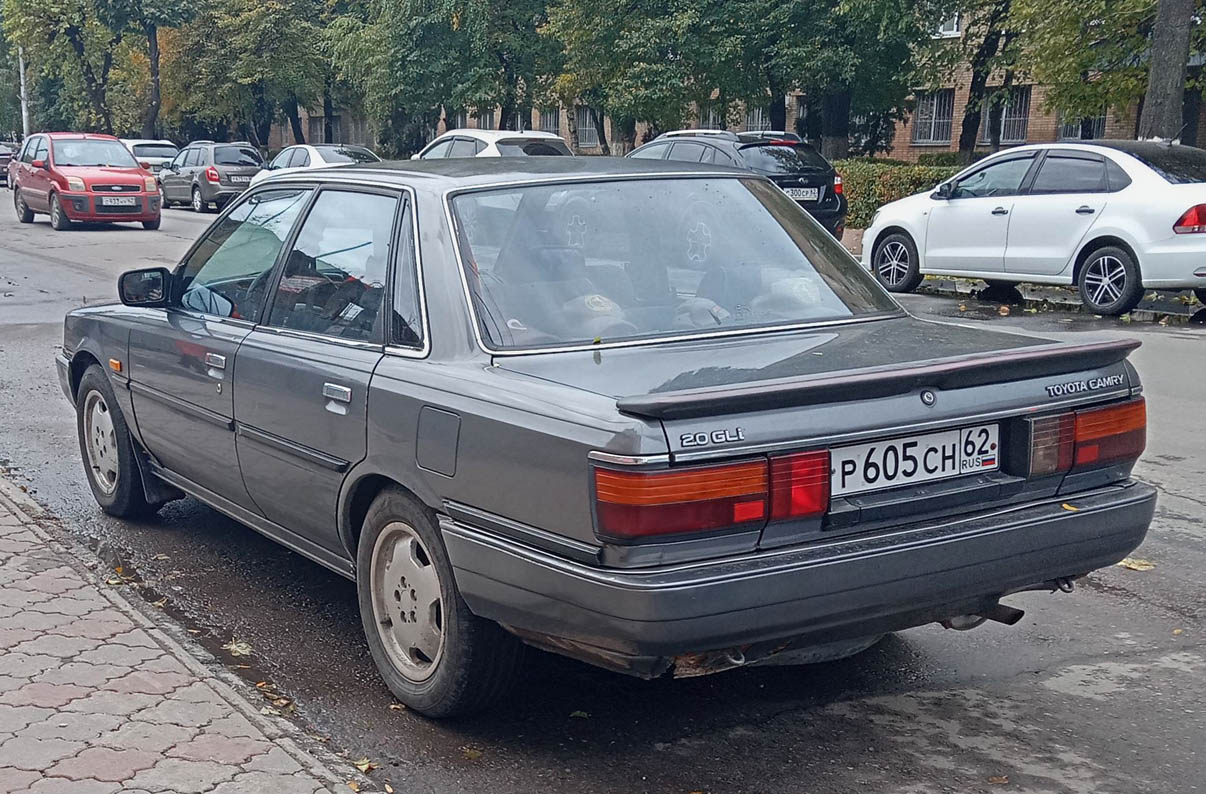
x,y
75,183
150,184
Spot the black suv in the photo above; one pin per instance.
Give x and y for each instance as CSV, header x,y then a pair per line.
x,y
796,167
207,173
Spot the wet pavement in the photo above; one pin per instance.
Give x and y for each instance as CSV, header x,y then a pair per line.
x,y
1098,691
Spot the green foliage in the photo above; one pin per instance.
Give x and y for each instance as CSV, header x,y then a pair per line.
x,y
869,184
946,158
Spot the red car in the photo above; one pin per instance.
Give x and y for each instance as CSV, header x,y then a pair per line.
x,y
76,176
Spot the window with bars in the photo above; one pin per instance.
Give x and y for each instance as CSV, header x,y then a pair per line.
x,y
1074,129
1015,116
933,117
317,130
757,119
949,29
485,119
588,137
457,120
550,120
711,117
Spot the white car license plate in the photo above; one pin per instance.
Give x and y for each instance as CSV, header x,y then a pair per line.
x,y
803,193
240,179
904,461
119,201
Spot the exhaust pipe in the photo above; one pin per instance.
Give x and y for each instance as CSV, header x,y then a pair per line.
x,y
997,612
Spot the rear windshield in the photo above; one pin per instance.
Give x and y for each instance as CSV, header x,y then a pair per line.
x,y
348,154
84,152
519,147
155,150
782,159
236,155
1181,165
552,265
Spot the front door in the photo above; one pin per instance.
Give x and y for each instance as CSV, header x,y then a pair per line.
x,y
171,177
182,358
1065,199
301,405
968,231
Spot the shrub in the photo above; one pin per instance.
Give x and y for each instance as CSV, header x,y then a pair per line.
x,y
945,158
869,184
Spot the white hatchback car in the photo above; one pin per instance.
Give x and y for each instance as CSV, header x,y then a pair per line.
x,y
155,153
318,155
1112,217
494,143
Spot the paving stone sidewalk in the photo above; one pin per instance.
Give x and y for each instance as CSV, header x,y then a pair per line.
x,y
95,698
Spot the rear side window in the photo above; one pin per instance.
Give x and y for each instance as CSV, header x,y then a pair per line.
x,y
1180,165
462,147
348,154
300,159
532,148
236,155
652,152
687,151
1118,178
1064,174
783,159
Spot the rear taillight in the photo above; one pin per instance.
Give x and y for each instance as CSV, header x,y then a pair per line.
x,y
637,504
1088,438
1192,221
211,174
837,185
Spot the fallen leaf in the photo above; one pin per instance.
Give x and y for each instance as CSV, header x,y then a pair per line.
x,y
998,779
242,667
1003,311
353,785
1177,632
194,631
118,570
389,789
580,714
261,684
1126,318
113,580
270,712
237,649
364,765
396,707
962,307
161,603
1067,506
161,557
281,703
1136,564
471,753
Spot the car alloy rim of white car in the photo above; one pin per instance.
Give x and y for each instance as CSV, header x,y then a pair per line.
x,y
893,263
100,442
1105,280
408,602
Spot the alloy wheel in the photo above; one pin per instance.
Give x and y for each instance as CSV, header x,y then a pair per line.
x,y
55,212
1105,280
408,601
198,204
100,442
893,264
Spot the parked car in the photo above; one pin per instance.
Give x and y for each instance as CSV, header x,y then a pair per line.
x,y
318,155
494,143
701,438
1112,218
76,176
798,168
155,154
7,150
207,173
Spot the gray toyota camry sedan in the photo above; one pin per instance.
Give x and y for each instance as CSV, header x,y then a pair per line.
x,y
645,414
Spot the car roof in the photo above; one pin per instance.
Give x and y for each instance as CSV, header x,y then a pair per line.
x,y
77,135
498,135
137,141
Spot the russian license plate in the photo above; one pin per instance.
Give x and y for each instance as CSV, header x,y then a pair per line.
x,y
119,201
240,179
904,461
803,193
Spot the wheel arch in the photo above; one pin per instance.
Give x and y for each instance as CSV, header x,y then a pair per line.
x,y
895,228
79,365
358,496
1101,241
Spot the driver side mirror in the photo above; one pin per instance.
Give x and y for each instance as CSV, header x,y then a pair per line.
x,y
144,165
945,191
41,164
415,156
149,287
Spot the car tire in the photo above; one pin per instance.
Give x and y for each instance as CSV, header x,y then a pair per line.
x,y
152,225
1200,292
199,204
107,449
1110,282
439,659
895,264
24,213
58,219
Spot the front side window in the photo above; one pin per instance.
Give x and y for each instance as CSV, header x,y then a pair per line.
x,y
654,151
687,151
334,279
597,262
462,147
1061,173
28,150
439,150
1002,178
227,274
301,158
933,117
43,150
282,159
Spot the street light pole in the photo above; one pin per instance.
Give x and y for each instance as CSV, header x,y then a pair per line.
x,y
24,95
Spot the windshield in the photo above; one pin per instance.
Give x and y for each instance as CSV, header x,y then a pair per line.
x,y
782,159
519,147
155,150
85,152
236,155
605,261
1180,165
348,154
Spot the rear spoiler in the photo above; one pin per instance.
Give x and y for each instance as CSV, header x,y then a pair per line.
x,y
884,381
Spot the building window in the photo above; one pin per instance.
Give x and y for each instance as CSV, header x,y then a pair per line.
x,y
757,119
1015,116
457,120
711,117
949,29
550,120
317,130
523,120
588,137
1074,130
933,116
484,119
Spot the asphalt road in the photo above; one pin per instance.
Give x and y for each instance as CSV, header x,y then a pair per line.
x,y
1098,691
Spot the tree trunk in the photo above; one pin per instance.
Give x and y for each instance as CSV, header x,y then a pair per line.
x,y
981,65
625,133
812,121
835,124
571,120
150,116
290,106
1167,70
778,111
1189,116
328,111
600,131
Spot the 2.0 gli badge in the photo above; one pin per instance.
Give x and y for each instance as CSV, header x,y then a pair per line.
x,y
714,437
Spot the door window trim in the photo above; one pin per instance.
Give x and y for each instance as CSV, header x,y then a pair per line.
x,y
1072,154
1023,187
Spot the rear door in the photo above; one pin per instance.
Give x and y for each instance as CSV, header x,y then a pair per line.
x,y
35,183
1066,197
303,374
182,358
968,231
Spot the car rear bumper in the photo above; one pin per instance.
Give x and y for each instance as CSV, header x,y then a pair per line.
x,y
212,192
638,620
89,208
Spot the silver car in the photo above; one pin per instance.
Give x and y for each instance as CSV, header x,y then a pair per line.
x,y
645,414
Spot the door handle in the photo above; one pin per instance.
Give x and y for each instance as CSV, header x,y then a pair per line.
x,y
1000,211
1085,210
215,366
333,391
